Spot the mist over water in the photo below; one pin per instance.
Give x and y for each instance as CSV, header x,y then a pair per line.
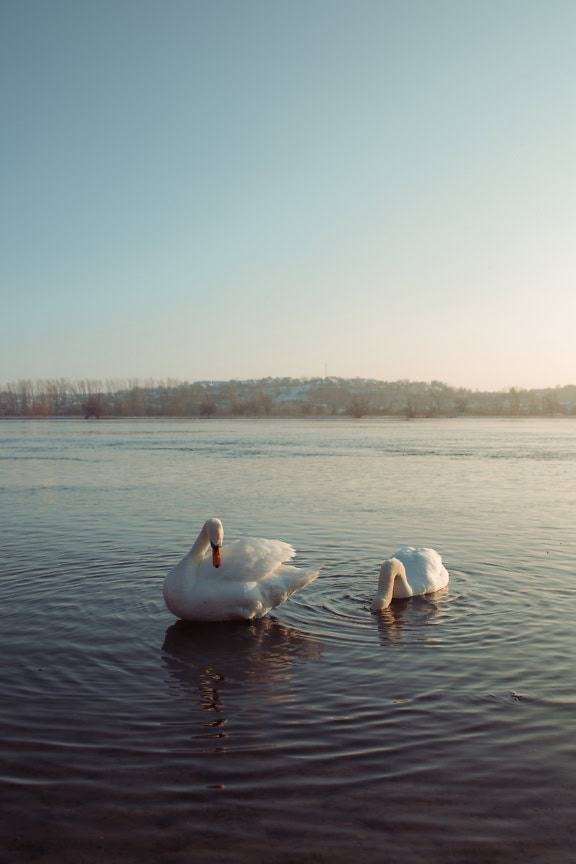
x,y
442,730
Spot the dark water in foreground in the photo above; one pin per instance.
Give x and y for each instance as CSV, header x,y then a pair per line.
x,y
442,731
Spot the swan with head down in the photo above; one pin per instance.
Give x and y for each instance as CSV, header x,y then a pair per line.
x,y
243,580
410,572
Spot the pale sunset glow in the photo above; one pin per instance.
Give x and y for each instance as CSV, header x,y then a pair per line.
x,y
219,190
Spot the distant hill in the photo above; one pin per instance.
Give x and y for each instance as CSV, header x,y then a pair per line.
x,y
275,397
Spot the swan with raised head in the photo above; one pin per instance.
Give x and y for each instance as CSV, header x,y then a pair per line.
x,y
410,572
243,580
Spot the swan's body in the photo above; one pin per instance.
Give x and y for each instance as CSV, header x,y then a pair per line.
x,y
410,572
245,579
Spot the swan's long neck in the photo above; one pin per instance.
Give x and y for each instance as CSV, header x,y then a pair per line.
x,y
391,570
200,547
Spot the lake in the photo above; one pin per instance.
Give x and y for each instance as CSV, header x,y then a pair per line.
x,y
443,730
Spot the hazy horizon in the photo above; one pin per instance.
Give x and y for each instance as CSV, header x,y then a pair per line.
x,y
119,383
230,191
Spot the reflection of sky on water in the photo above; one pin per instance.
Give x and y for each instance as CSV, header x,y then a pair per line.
x,y
455,707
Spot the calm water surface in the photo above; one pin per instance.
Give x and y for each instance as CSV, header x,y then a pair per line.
x,y
443,730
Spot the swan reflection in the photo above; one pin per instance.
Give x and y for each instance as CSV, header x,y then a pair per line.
x,y
219,664
410,614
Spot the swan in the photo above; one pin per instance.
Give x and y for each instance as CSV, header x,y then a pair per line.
x,y
243,580
410,572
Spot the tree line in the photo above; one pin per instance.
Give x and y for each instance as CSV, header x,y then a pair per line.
x,y
274,397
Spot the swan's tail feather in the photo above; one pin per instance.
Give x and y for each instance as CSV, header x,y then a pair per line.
x,y
288,580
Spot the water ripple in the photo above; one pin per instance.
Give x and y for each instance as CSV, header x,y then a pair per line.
x,y
125,729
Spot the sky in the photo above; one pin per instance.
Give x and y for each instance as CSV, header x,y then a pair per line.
x,y
233,189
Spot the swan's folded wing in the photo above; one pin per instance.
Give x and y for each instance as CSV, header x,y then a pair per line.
x,y
253,558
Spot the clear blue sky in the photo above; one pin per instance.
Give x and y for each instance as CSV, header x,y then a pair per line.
x,y
215,189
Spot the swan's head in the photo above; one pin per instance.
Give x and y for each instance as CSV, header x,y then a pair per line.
x,y
215,533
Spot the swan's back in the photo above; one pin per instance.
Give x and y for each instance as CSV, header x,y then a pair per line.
x,y
425,571
253,558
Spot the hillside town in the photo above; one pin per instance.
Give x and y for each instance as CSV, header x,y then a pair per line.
x,y
275,397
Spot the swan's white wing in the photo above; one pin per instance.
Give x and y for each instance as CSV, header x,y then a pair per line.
x,y
424,569
253,558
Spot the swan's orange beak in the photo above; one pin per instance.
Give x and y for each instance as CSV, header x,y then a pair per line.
x,y
216,557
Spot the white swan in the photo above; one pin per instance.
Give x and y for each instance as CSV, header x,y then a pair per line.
x,y
410,572
245,579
